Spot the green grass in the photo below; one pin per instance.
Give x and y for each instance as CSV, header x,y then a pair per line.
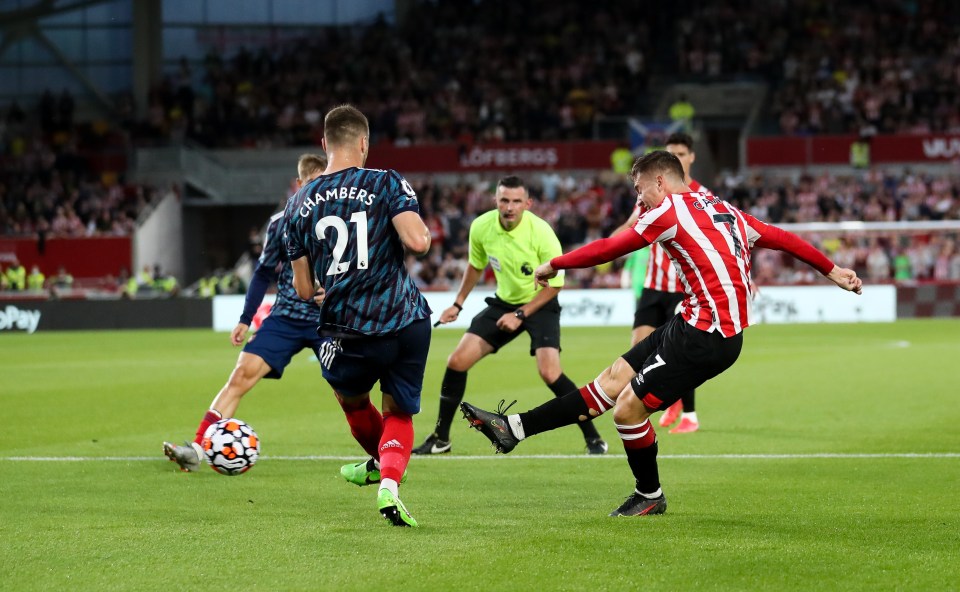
x,y
488,522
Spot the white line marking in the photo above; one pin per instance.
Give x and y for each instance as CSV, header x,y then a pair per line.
x,y
814,455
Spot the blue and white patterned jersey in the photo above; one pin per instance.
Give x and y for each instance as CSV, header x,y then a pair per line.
x,y
343,223
274,258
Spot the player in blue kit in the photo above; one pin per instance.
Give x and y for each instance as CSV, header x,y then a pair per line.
x,y
290,328
346,234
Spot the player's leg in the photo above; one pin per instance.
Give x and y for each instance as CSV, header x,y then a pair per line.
x,y
544,330
589,401
249,370
402,384
688,419
365,421
481,339
684,359
651,313
632,418
548,364
367,428
266,354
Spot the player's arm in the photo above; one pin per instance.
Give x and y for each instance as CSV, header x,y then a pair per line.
x,y
263,276
414,234
303,278
778,239
599,251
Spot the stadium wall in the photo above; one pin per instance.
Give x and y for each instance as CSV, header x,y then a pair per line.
x,y
82,257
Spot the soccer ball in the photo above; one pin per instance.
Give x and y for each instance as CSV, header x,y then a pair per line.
x,y
231,447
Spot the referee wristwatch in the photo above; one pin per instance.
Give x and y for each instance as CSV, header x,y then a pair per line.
x,y
520,314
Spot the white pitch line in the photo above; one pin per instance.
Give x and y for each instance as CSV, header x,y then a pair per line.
x,y
814,455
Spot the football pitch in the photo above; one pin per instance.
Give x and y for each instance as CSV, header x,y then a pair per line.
x,y
828,459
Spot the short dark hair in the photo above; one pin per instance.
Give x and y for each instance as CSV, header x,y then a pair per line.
x,y
680,138
344,123
511,182
659,161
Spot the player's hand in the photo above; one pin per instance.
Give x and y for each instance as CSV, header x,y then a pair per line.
x,y
449,315
544,273
239,333
846,279
754,290
319,295
509,322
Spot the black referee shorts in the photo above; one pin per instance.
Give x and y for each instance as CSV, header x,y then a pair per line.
x,y
677,358
543,325
656,307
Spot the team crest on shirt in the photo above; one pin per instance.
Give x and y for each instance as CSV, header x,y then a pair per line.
x,y
526,269
494,263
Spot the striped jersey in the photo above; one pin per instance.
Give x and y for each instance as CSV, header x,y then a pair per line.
x,y
661,273
709,242
274,257
343,223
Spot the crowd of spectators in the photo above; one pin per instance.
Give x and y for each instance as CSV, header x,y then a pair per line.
x,y
878,66
487,71
48,186
469,71
584,209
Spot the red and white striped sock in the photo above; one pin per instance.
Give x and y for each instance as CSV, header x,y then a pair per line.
x,y
640,444
595,398
637,436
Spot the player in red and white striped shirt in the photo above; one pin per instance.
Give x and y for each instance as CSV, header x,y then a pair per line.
x,y
710,242
662,291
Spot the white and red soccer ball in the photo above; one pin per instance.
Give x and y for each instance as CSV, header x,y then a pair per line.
x,y
230,446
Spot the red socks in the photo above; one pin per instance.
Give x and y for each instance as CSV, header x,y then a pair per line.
x,y
366,425
210,417
395,445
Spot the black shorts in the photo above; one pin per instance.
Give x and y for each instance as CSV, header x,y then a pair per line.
x,y
543,325
353,365
677,358
655,307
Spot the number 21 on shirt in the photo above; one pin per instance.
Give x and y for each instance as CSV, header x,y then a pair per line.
x,y
337,265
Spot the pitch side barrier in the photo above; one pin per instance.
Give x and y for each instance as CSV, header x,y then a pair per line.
x,y
30,316
615,308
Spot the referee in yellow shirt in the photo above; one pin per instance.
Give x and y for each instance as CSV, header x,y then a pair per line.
x,y
513,242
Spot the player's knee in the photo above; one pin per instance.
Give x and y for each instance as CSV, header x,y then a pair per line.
x,y
628,411
549,374
459,362
617,376
244,376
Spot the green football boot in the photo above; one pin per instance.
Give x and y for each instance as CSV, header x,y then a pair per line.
x,y
393,509
364,473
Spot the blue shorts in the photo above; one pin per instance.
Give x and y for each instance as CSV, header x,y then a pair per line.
x,y
353,365
279,339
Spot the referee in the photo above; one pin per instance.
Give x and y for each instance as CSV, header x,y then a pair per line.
x,y
514,242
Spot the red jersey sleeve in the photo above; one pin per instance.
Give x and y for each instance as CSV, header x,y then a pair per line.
x,y
600,251
769,236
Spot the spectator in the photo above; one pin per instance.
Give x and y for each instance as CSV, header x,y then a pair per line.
x,y
36,279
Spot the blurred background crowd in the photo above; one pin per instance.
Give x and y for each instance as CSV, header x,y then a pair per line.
x,y
487,72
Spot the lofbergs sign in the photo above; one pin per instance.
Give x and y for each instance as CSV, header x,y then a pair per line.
x,y
13,319
941,147
509,157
